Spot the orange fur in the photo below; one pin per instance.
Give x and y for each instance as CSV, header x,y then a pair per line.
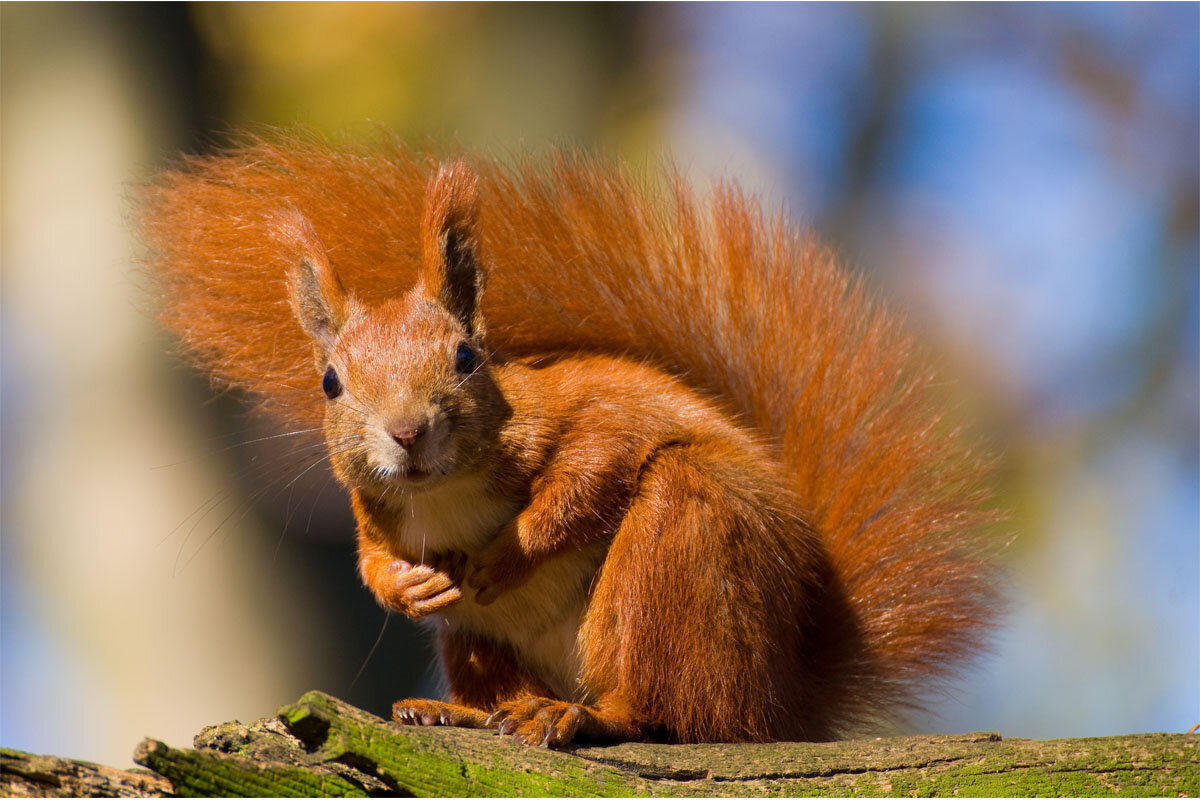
x,y
838,627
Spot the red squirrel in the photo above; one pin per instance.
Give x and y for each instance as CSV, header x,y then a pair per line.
x,y
651,472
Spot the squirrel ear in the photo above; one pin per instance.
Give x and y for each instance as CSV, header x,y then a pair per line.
x,y
318,298
451,268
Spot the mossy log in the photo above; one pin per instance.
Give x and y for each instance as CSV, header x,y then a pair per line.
x,y
322,747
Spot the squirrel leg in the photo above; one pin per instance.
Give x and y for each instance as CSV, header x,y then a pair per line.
x,y
502,565
695,623
575,502
481,675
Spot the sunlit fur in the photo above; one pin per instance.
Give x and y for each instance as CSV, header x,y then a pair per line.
x,y
892,591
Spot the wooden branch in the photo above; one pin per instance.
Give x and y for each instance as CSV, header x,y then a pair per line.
x,y
321,746
25,775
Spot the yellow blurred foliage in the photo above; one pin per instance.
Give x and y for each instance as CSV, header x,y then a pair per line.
x,y
446,71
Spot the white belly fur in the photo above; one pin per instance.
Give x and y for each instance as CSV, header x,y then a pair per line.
x,y
539,619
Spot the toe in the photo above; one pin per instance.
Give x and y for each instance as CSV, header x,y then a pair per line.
x,y
530,733
565,727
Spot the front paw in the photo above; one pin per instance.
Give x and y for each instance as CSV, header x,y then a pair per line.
x,y
498,568
417,590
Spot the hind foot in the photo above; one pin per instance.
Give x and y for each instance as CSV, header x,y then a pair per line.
x,y
542,722
415,711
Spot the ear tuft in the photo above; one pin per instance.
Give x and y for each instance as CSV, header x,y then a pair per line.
x,y
451,266
318,297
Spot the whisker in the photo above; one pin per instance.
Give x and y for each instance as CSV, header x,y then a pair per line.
x,y
386,616
316,501
183,521
248,503
213,503
209,506
300,432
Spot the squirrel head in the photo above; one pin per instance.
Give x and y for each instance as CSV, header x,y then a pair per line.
x,y
410,394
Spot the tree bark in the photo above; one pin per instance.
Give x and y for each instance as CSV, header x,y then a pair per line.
x,y
320,746
25,775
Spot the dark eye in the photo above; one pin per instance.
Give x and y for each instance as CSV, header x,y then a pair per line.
x,y
464,358
331,384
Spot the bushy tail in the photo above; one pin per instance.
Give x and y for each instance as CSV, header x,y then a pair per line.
x,y
744,308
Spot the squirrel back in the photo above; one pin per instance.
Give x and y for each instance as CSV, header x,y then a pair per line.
x,y
742,308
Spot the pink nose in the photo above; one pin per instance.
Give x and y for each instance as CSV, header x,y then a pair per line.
x,y
405,434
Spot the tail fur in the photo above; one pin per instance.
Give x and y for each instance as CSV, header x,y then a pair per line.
x,y
743,307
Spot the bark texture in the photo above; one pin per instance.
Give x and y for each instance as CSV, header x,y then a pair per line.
x,y
320,746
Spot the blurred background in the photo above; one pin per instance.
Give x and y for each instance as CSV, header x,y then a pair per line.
x,y
1021,180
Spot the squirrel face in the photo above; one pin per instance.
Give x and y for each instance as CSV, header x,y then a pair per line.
x,y
410,395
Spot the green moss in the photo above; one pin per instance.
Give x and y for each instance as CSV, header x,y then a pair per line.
x,y
196,774
426,766
348,752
